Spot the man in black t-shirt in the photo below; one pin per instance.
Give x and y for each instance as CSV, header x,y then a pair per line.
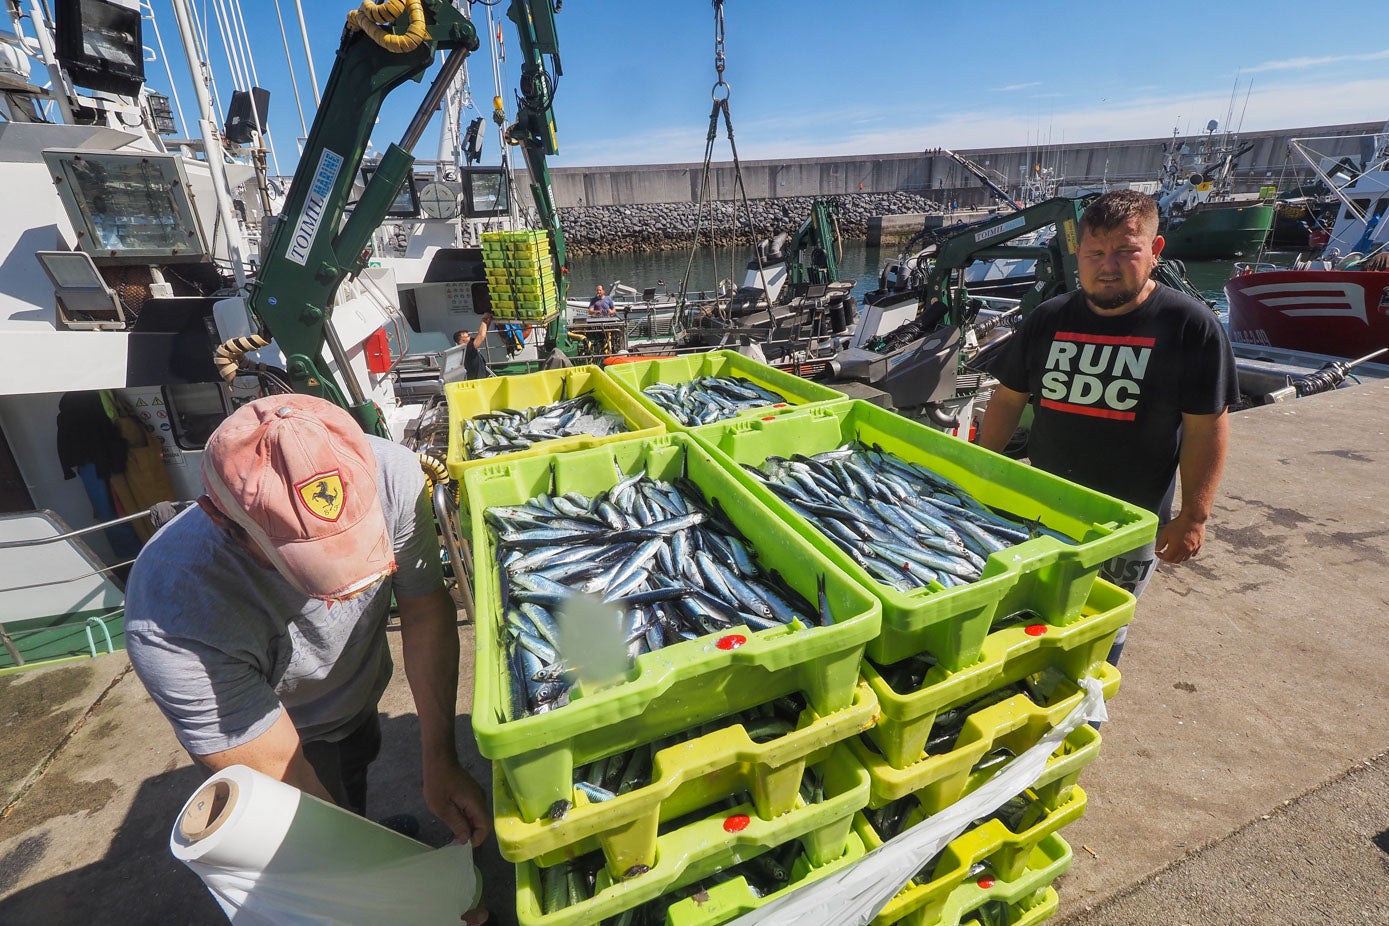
x,y
1130,381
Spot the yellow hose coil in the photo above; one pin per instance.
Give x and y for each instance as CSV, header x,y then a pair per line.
x,y
227,356
434,469
375,18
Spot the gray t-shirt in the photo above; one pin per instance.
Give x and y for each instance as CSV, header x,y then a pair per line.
x,y
222,643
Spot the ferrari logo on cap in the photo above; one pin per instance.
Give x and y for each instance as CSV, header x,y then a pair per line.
x,y
322,495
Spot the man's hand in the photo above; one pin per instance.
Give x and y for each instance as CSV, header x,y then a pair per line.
x,y
458,800
1180,539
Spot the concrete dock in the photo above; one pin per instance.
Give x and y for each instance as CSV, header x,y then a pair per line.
x,y
1243,776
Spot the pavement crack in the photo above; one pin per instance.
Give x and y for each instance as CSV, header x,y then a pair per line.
x,y
37,774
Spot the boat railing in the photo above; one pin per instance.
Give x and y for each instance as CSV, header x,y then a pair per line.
x,y
94,624
1244,268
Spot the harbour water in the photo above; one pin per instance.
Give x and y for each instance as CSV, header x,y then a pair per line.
x,y
666,269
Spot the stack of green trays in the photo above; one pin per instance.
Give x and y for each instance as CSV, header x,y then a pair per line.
x,y
520,274
732,896
700,848
685,778
955,898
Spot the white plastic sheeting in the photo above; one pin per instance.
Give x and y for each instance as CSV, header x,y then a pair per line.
x,y
854,895
271,854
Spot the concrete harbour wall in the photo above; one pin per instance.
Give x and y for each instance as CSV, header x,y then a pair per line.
x,y
651,207
1270,161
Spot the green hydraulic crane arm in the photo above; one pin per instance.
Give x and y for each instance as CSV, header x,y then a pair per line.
x,y
534,128
311,250
962,247
821,234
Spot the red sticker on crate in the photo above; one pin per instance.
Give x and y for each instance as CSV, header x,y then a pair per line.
x,y
779,405
770,418
732,641
986,883
1035,630
737,823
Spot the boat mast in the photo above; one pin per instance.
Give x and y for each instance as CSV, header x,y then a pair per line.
x,y
212,144
61,90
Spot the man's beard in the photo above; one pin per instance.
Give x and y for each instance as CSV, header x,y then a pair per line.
x,y
1115,301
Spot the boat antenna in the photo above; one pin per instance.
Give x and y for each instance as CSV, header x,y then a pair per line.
x,y
293,75
1247,90
308,52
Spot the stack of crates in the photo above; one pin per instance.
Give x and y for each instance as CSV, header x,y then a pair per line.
x,y
683,741
520,274
970,676
909,701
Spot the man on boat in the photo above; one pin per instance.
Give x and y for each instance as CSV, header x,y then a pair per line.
x,y
257,619
601,305
1130,383
474,363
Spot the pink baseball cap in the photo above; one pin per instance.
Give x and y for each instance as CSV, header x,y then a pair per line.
x,y
298,474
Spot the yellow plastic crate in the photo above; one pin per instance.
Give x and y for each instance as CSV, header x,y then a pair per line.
x,y
685,777
478,396
1016,724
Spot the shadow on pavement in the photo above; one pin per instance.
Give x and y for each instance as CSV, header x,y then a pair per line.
x,y
140,882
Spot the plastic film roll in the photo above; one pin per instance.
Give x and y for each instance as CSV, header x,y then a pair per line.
x,y
271,854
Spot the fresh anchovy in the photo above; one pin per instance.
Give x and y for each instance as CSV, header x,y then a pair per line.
x,y
670,560
706,399
906,525
508,430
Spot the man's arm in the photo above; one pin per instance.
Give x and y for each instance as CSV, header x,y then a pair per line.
x,y
1001,417
480,338
429,636
1201,461
277,753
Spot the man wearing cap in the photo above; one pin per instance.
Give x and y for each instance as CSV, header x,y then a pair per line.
x,y
257,620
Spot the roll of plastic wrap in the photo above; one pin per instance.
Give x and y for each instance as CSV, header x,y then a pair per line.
x,y
271,854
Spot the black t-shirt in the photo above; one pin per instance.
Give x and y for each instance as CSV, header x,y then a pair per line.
x,y
1109,392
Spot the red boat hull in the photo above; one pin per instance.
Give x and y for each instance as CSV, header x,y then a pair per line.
x,y
1339,312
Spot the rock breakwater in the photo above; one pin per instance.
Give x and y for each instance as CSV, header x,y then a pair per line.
x,y
665,226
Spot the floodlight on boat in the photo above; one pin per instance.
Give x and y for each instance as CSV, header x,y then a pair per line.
x,y
100,43
84,299
128,207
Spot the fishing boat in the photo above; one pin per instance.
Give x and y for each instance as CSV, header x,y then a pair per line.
x,y
1201,218
1336,304
124,262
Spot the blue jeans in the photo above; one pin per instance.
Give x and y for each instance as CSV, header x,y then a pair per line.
x,y
1131,572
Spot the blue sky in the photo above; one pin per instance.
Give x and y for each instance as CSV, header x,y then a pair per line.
x,y
811,77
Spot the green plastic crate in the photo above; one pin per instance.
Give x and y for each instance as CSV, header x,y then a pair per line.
x,y
732,898
712,844
477,396
991,841
1009,655
682,685
1029,896
1044,574
513,235
634,377
1017,724
685,777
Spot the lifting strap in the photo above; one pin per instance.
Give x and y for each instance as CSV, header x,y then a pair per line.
x,y
720,93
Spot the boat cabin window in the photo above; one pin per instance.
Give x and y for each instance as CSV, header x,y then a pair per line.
x,y
1362,207
195,411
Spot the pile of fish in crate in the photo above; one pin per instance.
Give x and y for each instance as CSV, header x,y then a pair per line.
x,y
823,623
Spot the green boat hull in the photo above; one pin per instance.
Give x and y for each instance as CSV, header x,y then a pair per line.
x,y
1222,232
